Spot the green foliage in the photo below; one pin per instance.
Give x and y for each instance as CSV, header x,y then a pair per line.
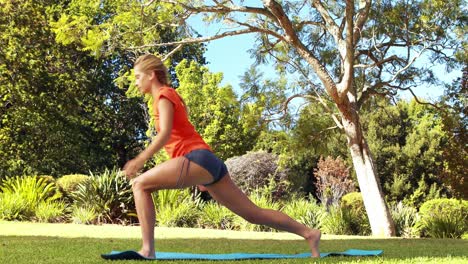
x,y
176,208
405,219
84,215
50,211
69,183
307,212
337,221
444,218
28,192
108,194
214,215
12,206
354,204
407,140
61,112
455,123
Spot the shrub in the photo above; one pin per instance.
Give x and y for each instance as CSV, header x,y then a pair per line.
x,y
28,192
69,183
50,211
337,221
444,218
176,208
214,215
255,169
108,194
304,211
12,206
83,215
405,219
333,180
354,204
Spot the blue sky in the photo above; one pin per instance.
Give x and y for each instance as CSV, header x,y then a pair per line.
x,y
230,56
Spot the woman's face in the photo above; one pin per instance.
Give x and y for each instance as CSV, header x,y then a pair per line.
x,y
142,81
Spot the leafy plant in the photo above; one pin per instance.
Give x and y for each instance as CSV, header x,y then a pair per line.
x,y
333,180
108,194
12,206
337,221
307,212
354,204
50,211
176,208
443,218
69,183
83,215
214,215
27,192
405,219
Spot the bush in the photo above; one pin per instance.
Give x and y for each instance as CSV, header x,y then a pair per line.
x,y
69,183
255,170
83,215
337,221
27,193
214,215
443,218
12,206
108,194
176,208
333,180
306,212
405,219
354,204
50,211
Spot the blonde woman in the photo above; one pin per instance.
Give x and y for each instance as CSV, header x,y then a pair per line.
x,y
192,163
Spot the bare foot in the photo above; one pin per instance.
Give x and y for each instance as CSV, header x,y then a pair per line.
x,y
147,254
313,238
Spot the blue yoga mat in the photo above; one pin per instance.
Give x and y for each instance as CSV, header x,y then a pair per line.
x,y
130,254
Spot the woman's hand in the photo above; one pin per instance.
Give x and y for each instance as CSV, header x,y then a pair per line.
x,y
133,166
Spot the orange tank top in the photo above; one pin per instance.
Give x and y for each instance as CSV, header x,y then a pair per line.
x,y
184,138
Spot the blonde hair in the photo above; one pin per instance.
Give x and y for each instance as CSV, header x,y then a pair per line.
x,y
149,63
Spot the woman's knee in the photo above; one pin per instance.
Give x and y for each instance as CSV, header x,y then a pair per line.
x,y
140,185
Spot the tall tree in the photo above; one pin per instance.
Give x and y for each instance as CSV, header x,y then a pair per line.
x,y
331,43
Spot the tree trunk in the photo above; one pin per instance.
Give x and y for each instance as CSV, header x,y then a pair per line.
x,y
379,215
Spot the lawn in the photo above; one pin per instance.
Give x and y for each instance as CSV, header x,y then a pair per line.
x,y
70,243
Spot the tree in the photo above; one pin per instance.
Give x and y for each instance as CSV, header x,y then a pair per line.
x,y
408,140
455,122
351,50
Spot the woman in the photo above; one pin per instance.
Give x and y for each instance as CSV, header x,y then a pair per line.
x,y
192,163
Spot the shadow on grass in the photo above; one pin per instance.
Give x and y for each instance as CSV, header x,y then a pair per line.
x,y
35,249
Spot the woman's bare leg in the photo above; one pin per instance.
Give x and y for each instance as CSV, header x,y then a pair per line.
x,y
172,174
229,195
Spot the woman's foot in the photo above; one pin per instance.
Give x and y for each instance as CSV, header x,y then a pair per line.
x,y
313,238
147,254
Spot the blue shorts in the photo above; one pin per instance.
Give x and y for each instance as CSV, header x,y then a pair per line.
x,y
209,162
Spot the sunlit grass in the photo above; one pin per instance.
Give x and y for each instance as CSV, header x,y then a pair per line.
x,y
70,243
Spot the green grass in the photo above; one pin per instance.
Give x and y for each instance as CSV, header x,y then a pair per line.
x,y
69,243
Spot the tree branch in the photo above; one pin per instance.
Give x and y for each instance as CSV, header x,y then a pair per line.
x,y
334,29
361,19
283,20
198,40
223,9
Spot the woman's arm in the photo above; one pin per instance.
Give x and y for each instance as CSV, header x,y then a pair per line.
x,y
166,117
